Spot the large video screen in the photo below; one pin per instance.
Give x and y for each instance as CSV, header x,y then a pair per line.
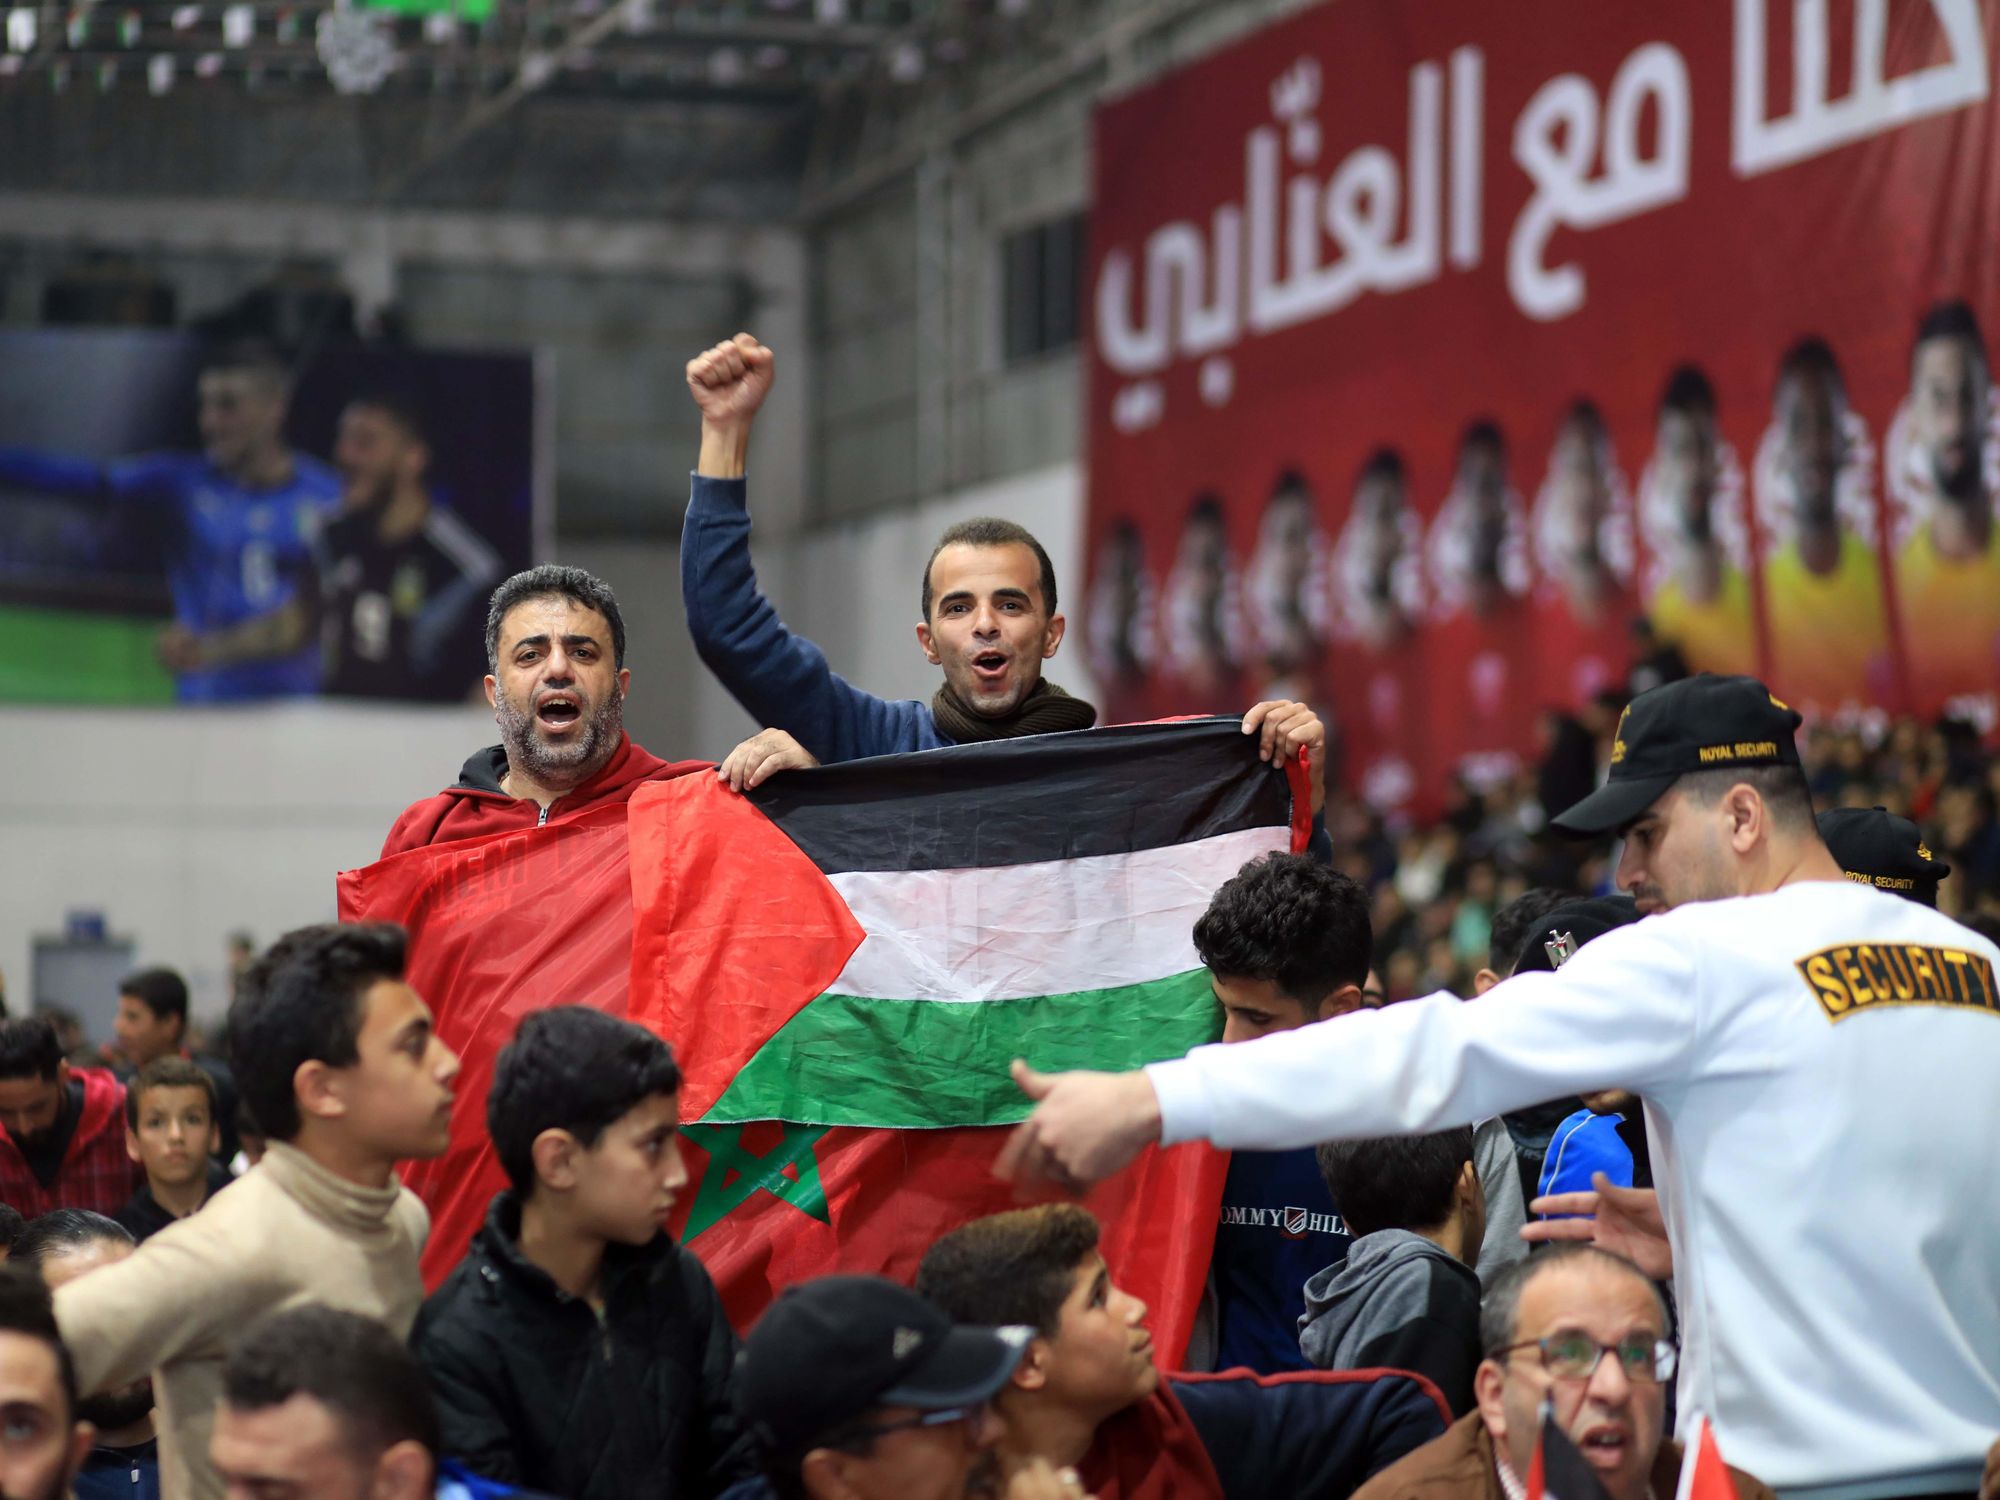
x,y
214,522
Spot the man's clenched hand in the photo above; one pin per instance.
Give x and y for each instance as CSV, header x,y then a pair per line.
x,y
729,383
1085,1127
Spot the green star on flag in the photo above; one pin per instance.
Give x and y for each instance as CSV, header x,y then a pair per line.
x,y
787,1170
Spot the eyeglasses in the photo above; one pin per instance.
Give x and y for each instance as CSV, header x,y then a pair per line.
x,y
944,1416
1575,1356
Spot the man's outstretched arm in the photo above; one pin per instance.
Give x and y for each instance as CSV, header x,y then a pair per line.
x,y
1623,1013
780,678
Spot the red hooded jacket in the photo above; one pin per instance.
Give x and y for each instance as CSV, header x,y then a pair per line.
x,y
477,805
95,1173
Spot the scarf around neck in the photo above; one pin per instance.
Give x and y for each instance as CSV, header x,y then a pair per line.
x,y
1046,710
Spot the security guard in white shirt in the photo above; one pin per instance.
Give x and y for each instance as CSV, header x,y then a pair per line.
x,y
1820,1066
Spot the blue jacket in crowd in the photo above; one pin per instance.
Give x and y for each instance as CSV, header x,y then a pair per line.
x,y
1585,1144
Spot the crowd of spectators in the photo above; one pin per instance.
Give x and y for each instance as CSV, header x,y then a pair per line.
x,y
1435,884
171,1331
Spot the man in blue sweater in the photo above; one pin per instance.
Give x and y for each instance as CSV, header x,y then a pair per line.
x,y
989,620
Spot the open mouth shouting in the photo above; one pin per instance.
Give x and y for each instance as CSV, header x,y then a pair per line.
x,y
559,712
989,669
1605,1444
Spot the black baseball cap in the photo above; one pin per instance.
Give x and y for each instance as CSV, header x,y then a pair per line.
x,y
1704,723
829,1351
1876,847
1568,927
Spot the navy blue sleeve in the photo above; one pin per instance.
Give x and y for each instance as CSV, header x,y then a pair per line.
x,y
1307,1434
781,679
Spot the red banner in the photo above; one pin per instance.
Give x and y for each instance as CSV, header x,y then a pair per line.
x,y
1432,346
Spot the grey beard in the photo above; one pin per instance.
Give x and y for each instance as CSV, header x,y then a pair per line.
x,y
568,765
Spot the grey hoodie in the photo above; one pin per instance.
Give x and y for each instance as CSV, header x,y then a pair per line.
x,y
1398,1302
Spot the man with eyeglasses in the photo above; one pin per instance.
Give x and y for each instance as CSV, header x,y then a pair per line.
x,y
858,1389
1578,1334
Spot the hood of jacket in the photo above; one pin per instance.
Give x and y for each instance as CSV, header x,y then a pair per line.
x,y
103,1098
483,769
1362,1290
476,805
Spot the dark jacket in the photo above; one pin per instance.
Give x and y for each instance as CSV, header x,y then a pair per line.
x,y
1397,1302
1459,1466
120,1473
144,1217
535,1389
1313,1434
1317,1433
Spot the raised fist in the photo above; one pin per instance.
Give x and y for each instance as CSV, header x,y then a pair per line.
x,y
730,381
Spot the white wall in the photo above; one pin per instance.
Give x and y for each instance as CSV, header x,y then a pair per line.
x,y
185,824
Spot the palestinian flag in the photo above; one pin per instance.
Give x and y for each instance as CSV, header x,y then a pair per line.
x,y
846,960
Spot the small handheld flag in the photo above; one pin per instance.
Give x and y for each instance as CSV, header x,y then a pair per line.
x,y
1559,1471
1704,1476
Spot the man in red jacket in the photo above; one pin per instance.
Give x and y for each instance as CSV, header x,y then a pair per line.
x,y
62,1129
555,656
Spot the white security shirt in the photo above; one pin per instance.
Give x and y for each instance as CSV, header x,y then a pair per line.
x,y
1821,1073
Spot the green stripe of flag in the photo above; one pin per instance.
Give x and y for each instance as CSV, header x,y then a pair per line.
x,y
920,1064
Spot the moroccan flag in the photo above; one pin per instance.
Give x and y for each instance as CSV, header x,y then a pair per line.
x,y
500,926
845,962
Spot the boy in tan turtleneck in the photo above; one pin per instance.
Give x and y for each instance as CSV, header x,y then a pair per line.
x,y
335,1056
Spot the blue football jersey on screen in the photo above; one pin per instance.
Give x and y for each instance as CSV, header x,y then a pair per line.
x,y
233,553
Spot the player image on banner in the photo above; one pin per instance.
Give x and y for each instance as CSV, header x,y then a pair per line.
x,y
1819,533
1695,581
1286,587
1650,215
235,525
1941,461
1479,649
1202,608
1123,613
1583,563
1375,603
405,580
